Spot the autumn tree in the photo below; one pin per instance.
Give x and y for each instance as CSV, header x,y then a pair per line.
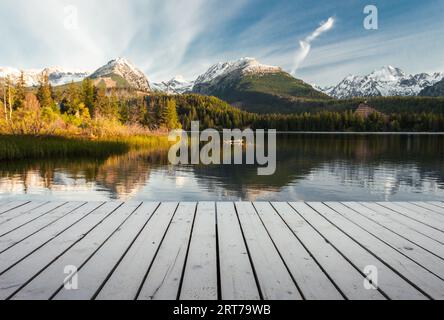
x,y
27,118
10,91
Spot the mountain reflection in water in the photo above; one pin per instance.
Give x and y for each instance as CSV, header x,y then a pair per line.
x,y
311,167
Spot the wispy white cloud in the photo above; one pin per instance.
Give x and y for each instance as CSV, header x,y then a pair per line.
x,y
169,37
305,45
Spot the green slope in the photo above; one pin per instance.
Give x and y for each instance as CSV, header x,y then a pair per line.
x,y
264,93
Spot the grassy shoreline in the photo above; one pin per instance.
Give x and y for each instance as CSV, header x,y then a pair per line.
x,y
16,147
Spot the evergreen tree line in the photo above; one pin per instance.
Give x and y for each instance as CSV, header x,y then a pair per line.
x,y
80,104
214,113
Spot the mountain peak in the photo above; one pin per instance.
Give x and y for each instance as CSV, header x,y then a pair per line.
x,y
245,65
127,72
387,73
176,85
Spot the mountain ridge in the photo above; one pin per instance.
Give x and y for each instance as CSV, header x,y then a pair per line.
x,y
57,75
253,86
437,90
386,81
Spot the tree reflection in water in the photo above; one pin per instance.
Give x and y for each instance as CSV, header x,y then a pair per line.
x,y
310,167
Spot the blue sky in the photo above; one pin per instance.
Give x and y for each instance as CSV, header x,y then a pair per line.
x,y
168,38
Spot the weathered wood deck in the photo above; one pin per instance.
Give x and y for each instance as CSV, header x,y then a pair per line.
x,y
223,250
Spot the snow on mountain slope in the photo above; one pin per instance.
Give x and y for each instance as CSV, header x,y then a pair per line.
x,y
241,66
57,76
126,70
177,85
387,81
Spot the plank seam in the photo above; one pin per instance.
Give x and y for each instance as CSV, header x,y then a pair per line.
x,y
309,252
256,278
376,256
392,231
43,214
46,242
18,206
388,244
98,248
416,220
23,213
126,251
219,281
425,208
279,253
339,251
179,291
61,254
400,222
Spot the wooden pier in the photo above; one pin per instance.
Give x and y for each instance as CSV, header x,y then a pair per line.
x,y
224,250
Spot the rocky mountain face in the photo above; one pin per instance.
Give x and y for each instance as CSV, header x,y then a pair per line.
x,y
121,73
387,81
176,85
253,86
57,76
437,90
225,74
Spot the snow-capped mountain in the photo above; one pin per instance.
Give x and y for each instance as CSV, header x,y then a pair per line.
x,y
57,76
437,90
125,71
224,71
177,85
252,86
387,81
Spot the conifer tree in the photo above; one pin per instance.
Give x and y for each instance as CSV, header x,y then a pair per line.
x,y
88,94
44,92
20,92
169,115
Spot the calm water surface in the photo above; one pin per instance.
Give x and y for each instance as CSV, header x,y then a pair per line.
x,y
311,167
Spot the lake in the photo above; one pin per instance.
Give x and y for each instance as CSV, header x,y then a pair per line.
x,y
310,167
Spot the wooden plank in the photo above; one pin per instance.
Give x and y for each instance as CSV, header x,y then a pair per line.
x,y
163,279
437,203
435,216
26,269
346,277
429,206
11,205
126,280
417,275
10,257
13,237
51,279
311,279
425,230
408,248
415,215
236,272
100,266
400,229
200,275
389,282
27,218
19,211
273,277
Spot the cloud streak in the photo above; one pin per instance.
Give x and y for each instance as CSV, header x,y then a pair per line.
x,y
305,45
